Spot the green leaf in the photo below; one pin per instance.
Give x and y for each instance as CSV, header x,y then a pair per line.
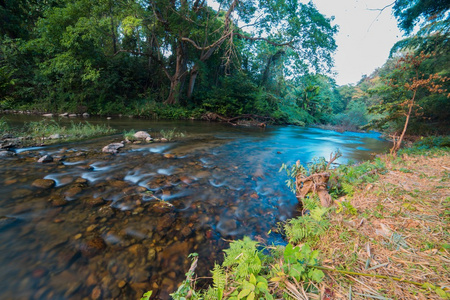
x,y
252,279
147,295
296,271
251,296
316,275
244,293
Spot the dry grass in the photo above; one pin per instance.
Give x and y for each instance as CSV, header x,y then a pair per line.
x,y
401,230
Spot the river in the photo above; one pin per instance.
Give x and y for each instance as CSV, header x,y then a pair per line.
x,y
102,233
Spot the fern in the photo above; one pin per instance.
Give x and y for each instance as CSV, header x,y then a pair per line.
x,y
243,258
219,278
308,226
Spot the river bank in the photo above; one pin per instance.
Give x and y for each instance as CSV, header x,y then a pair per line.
x,y
386,238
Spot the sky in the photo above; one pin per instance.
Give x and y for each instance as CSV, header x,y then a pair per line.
x,y
364,40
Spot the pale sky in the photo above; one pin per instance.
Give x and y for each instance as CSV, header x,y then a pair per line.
x,y
364,40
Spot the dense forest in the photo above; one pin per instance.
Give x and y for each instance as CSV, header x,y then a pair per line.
x,y
181,59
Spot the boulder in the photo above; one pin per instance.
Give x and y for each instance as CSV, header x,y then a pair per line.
x,y
64,115
112,148
142,135
55,136
45,159
43,183
86,115
47,115
72,115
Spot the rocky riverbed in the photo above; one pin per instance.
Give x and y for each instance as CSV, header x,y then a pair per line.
x,y
90,224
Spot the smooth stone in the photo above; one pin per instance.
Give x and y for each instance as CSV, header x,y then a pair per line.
x,y
55,136
121,284
96,293
142,135
43,183
45,159
112,148
137,250
85,115
93,202
47,115
72,115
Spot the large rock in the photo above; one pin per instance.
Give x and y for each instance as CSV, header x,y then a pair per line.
x,y
142,135
55,136
85,115
47,115
45,159
72,115
113,148
43,183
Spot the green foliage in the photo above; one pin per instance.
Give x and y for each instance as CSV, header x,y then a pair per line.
x,y
307,227
147,295
46,128
243,258
4,126
345,178
170,134
185,290
129,135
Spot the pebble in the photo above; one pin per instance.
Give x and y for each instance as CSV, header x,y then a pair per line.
x,y
91,228
77,236
96,293
121,284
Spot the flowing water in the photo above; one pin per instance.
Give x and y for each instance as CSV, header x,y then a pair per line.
x,y
115,226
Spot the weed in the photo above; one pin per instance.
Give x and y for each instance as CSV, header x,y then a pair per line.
x,y
129,135
170,134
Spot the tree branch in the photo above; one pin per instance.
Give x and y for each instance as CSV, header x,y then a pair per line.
x,y
289,44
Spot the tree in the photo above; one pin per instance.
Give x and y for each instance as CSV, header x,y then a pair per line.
x,y
404,86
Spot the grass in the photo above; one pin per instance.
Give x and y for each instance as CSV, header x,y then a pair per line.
x,y
400,230
170,134
41,131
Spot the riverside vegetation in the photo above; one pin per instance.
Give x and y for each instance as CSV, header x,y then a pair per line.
x,y
49,131
386,237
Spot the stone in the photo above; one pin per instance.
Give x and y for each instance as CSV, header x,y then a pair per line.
x,y
55,136
72,115
151,255
85,115
64,115
108,118
137,250
142,135
92,247
112,148
47,115
96,293
93,202
121,284
45,159
72,192
5,153
43,183
57,201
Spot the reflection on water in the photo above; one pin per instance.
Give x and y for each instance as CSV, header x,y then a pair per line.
x,y
115,226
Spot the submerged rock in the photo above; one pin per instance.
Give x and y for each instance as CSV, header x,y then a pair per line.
x,y
92,247
43,183
112,148
4,153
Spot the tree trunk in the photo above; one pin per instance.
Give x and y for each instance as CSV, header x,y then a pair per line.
x,y
177,78
398,143
193,77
